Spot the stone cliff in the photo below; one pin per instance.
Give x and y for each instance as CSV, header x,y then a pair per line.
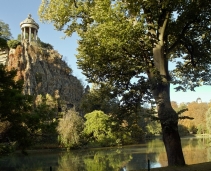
x,y
44,71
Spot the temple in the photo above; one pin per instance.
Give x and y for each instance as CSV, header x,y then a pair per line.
x,y
29,29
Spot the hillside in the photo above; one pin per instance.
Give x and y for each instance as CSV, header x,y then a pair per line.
x,y
44,71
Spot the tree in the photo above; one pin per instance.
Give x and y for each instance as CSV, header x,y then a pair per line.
x,y
99,98
129,44
70,129
197,111
42,121
208,119
5,34
5,31
14,109
98,127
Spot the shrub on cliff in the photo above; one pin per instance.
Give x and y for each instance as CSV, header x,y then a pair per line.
x,y
3,43
45,45
13,43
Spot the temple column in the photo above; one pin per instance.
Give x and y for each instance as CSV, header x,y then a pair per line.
x,y
36,34
24,32
21,35
30,34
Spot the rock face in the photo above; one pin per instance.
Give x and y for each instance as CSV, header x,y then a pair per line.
x,y
3,56
44,71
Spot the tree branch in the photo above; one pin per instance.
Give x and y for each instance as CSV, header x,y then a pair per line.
x,y
191,52
185,28
75,4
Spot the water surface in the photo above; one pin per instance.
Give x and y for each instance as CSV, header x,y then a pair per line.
x,y
135,157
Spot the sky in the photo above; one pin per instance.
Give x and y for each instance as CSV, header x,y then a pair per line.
x,y
13,12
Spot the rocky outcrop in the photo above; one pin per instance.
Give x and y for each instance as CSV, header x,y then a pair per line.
x,y
3,56
44,71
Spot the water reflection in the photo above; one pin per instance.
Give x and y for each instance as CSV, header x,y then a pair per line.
x,y
91,160
196,150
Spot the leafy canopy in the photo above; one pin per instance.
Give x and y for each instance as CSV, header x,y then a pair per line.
x,y
5,31
118,39
99,98
5,34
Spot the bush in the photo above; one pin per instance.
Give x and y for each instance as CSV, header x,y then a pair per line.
x,y
13,43
45,45
183,130
3,43
137,134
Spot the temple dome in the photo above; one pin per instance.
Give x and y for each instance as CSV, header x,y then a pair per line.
x,y
29,21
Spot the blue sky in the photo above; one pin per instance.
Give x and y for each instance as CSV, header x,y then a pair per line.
x,y
13,12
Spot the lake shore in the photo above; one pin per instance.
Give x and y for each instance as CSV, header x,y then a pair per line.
x,y
194,167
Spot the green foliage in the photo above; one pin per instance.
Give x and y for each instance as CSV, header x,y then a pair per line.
x,y
98,128
19,37
153,127
105,130
137,134
14,108
3,43
129,44
6,148
117,39
201,129
13,43
42,123
5,31
21,121
44,45
5,35
183,130
99,98
70,129
94,160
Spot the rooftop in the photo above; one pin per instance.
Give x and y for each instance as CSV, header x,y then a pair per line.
x,y
29,20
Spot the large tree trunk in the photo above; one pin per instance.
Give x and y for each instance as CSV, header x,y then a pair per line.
x,y
168,117
169,123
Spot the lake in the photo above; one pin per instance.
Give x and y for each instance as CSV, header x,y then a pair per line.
x,y
133,157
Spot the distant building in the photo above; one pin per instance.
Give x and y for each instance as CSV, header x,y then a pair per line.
x,y
198,100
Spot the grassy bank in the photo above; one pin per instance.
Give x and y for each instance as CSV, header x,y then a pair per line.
x,y
194,167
